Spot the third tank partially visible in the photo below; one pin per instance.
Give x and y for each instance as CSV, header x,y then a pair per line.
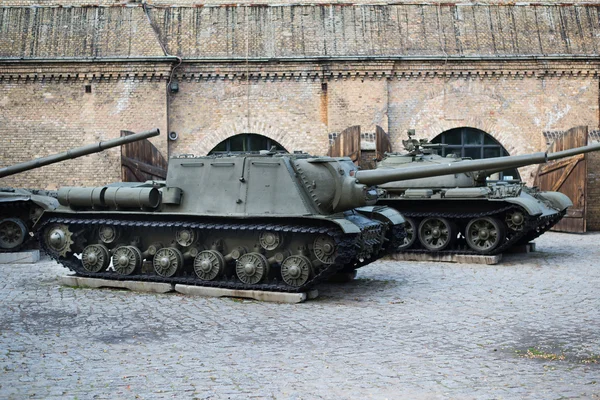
x,y
467,212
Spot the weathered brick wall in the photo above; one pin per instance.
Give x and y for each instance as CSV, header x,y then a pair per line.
x,y
40,118
513,109
593,192
207,111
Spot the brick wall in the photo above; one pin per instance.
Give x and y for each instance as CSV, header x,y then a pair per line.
x,y
207,111
44,117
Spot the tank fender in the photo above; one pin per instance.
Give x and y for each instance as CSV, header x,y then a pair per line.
x,y
11,198
385,214
46,202
558,200
531,205
346,225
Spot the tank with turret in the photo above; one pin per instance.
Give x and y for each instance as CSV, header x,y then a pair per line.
x,y
466,212
20,208
269,221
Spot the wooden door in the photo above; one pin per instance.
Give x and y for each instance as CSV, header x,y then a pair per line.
x,y
141,161
347,144
382,143
568,176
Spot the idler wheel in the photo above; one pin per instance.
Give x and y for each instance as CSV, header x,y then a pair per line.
x,y
325,249
167,261
270,240
252,268
209,264
436,234
411,234
58,239
12,233
127,260
95,258
515,220
485,234
295,270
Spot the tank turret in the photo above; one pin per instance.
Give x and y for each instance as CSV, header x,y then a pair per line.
x,y
20,208
461,211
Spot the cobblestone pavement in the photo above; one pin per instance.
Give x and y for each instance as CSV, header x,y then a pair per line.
x,y
526,328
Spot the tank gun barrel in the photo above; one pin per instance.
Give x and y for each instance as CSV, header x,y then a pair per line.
x,y
573,152
77,152
381,176
483,167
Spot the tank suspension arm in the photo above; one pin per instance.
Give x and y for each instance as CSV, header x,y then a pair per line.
x,y
77,152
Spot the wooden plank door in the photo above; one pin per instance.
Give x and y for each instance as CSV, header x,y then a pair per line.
x,y
382,143
568,176
141,161
347,144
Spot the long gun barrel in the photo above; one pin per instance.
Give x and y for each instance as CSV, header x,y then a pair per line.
x,y
483,166
77,152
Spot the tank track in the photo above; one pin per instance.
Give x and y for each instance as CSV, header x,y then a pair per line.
x,y
395,238
547,224
347,249
530,224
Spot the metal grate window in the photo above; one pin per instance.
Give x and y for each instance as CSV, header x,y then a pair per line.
x,y
246,142
476,144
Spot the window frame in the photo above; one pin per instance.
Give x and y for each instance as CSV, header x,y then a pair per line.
x,y
464,132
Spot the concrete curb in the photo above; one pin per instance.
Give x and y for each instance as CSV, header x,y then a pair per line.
x,y
191,290
277,297
455,258
22,257
95,283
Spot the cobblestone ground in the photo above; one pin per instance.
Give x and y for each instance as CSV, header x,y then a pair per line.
x,y
527,328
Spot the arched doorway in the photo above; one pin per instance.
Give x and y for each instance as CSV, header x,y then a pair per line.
x,y
476,144
246,142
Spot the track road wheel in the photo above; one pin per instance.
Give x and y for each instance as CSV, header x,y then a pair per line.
x,y
436,233
13,233
126,260
411,234
95,258
167,261
296,270
252,268
484,235
209,264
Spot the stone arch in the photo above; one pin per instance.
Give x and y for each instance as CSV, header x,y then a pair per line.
x,y
494,129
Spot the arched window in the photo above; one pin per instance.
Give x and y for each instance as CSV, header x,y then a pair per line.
x,y
246,142
474,143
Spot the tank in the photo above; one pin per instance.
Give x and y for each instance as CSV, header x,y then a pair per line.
x,y
463,212
20,208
